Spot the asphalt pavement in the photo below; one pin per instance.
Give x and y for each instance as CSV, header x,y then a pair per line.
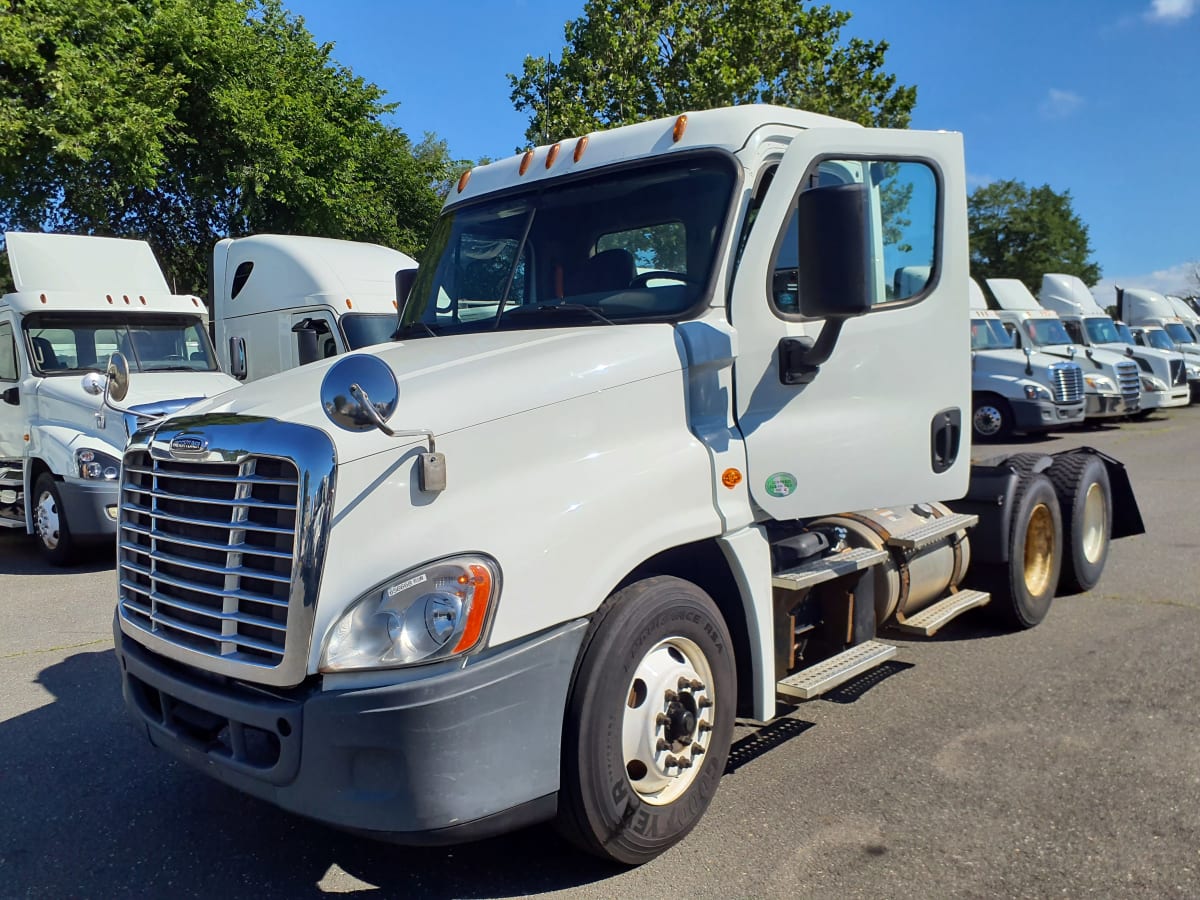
x,y
1061,761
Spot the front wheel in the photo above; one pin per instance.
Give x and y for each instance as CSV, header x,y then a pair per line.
x,y
991,418
648,722
50,522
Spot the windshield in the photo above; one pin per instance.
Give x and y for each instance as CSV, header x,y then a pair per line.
x,y
989,334
1044,332
365,329
1156,337
634,244
69,343
1101,330
1179,333
1125,333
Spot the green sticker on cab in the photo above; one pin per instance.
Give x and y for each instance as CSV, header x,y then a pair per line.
x,y
781,484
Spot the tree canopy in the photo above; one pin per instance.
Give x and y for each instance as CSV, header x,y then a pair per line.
x,y
1022,232
627,61
184,121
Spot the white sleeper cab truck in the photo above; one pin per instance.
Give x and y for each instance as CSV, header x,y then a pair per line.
x,y
639,463
77,301
1112,385
1013,390
1164,376
281,301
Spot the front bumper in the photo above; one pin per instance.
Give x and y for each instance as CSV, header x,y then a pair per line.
x,y
90,508
1041,415
1106,406
1176,396
461,754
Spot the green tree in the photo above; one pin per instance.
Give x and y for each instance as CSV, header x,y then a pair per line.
x,y
184,121
1022,232
627,61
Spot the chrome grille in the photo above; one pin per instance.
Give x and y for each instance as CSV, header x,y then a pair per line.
x,y
1178,372
205,553
1130,383
1066,380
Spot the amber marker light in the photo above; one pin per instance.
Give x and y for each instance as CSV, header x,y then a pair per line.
x,y
463,179
731,478
680,128
525,161
552,155
580,146
349,305
481,596
143,299
108,297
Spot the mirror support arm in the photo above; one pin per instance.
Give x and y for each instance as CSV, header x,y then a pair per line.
x,y
800,358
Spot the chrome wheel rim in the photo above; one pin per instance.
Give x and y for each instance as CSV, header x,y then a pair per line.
x,y
46,520
668,720
1095,515
988,421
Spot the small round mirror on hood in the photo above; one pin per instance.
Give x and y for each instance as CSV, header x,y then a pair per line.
x,y
93,383
118,377
353,382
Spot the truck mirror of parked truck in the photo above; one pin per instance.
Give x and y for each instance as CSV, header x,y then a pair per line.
x,y
117,373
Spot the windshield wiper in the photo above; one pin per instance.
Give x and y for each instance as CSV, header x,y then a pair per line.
x,y
564,307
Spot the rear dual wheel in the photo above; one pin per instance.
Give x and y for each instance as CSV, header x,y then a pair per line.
x,y
649,721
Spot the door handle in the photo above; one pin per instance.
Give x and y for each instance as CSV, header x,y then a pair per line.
x,y
945,439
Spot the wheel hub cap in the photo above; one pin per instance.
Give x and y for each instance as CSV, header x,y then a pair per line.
x,y
1095,515
46,520
1039,549
987,420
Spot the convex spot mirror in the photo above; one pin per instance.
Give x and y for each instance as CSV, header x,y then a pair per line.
x,y
118,378
359,392
93,383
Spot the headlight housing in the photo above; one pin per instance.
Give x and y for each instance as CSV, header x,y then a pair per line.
x,y
96,466
1152,384
432,612
1100,383
1193,371
1037,392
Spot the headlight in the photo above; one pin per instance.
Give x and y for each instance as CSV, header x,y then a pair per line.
x,y
1152,384
1037,392
1100,383
433,612
96,466
1193,371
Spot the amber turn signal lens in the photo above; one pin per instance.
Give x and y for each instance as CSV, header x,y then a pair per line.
x,y
580,146
463,179
525,161
680,128
731,478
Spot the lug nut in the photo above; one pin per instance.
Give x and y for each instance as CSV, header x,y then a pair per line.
x,y
670,761
696,685
684,684
697,750
704,703
661,745
671,696
683,762
705,726
662,719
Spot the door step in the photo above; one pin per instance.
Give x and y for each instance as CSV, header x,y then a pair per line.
x,y
931,618
827,568
932,531
828,674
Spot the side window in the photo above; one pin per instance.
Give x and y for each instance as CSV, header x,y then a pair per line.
x,y
653,249
901,219
9,370
1074,331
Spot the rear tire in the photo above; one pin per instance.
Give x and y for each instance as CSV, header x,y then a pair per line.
x,y
991,418
656,680
1023,587
1085,496
50,522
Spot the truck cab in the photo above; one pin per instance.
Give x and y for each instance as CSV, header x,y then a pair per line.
x,y
1150,309
77,301
281,301
1013,391
1112,384
1164,376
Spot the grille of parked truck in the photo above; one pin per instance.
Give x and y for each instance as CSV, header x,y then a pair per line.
x,y
658,445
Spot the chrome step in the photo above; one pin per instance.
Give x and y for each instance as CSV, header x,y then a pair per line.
x,y
931,618
933,530
829,673
827,568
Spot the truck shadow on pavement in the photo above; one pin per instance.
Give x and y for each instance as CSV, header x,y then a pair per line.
x,y
19,555
89,808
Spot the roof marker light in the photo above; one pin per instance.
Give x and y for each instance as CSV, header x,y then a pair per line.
x,y
108,297
525,161
580,146
680,128
552,155
463,179
143,299
43,298
349,305
126,298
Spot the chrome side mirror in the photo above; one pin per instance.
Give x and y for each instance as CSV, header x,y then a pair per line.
x,y
118,378
93,383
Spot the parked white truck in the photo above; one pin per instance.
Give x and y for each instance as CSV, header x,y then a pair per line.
x,y
281,301
1014,390
1112,384
1147,309
1164,373
76,301
531,561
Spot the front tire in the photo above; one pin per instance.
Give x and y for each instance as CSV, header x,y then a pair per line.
x,y
648,722
50,522
991,418
1085,495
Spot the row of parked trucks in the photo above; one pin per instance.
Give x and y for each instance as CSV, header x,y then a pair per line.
x,y
637,463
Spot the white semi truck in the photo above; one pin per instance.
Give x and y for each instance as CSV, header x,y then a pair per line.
x,y
1164,373
1013,390
1146,309
281,301
641,462
76,301
1111,381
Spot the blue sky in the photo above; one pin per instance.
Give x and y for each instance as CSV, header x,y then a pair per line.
x,y
1096,96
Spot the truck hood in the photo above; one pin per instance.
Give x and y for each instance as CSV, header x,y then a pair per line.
x,y
453,382
1012,363
1099,359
